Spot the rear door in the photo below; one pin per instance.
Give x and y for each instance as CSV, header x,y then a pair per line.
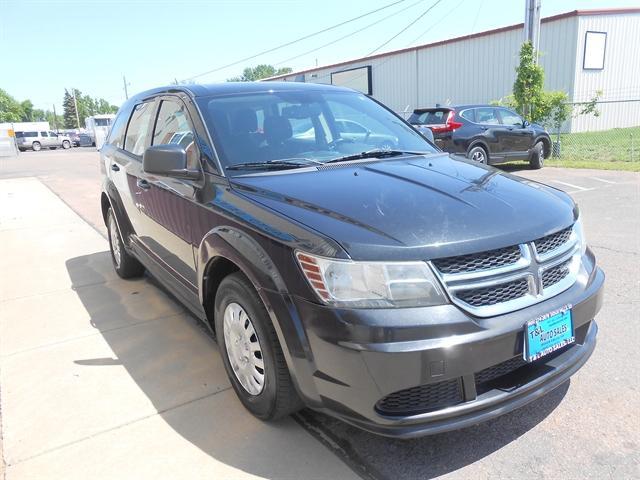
x,y
123,160
518,138
488,122
167,202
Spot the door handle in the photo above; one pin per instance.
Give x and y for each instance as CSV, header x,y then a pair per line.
x,y
143,184
115,167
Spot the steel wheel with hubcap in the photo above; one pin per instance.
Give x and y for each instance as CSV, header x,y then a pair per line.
x,y
125,265
243,349
36,146
251,351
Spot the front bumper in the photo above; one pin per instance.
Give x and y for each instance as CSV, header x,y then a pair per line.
x,y
349,360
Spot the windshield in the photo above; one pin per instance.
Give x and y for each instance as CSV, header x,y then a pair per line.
x,y
316,126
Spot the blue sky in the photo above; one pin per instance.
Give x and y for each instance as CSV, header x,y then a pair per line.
x,y
52,44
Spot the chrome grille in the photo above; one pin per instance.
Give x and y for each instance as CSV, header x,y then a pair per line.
x,y
479,261
498,281
551,242
479,297
423,398
555,274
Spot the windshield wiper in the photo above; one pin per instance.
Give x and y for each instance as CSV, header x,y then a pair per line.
x,y
277,164
375,153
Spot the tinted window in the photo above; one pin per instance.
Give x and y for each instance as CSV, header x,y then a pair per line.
x,y
433,117
257,127
52,134
102,122
43,134
487,116
139,124
510,118
173,126
468,115
116,135
19,134
30,134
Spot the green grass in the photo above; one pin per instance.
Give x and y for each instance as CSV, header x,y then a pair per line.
x,y
615,149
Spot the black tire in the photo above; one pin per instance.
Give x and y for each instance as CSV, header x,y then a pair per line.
x,y
125,265
53,148
66,144
536,158
278,397
36,146
478,154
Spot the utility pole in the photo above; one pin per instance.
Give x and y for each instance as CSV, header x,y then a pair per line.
x,y
532,25
126,93
75,107
55,118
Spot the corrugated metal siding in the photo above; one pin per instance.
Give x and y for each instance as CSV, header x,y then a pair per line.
x,y
620,78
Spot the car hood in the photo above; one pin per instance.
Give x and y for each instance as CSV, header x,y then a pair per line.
x,y
416,207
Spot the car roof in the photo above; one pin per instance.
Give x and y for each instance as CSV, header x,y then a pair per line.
x,y
231,88
458,107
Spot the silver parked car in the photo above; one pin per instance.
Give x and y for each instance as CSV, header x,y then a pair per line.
x,y
38,140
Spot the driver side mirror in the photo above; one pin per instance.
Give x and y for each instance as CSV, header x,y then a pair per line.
x,y
168,160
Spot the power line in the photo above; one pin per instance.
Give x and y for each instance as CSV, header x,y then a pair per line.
x,y
438,22
349,34
405,28
287,44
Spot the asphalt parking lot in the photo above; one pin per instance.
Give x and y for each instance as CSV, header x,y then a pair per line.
x,y
128,385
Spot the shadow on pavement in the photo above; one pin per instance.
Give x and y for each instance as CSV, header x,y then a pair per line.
x,y
178,367
431,456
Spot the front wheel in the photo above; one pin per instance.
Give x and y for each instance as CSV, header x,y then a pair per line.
x,y
251,352
536,159
66,145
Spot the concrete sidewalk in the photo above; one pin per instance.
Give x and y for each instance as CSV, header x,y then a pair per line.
x,y
106,378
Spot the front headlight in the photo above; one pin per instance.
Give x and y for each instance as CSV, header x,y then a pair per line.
x,y
578,231
371,284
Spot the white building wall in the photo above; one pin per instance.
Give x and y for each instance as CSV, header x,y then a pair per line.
x,y
482,69
620,78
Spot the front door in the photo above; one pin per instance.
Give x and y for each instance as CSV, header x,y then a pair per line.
x,y
517,137
167,202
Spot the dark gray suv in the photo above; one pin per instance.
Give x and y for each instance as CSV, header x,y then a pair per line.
x,y
393,287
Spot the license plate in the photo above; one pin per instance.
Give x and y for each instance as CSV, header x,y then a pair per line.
x,y
548,333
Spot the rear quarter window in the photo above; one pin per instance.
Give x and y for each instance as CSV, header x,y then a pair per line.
x,y
30,134
116,134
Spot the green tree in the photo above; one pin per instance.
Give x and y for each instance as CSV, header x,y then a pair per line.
x,y
10,108
252,74
27,111
69,110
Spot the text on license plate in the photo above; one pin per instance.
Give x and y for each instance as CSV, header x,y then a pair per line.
x,y
548,333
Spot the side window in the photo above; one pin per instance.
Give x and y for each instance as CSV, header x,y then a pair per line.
x,y
510,118
469,115
116,134
43,134
52,134
487,116
173,126
138,128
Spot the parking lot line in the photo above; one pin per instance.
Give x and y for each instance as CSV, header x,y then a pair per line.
x,y
566,184
603,180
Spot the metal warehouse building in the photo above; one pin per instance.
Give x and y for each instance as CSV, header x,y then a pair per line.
x,y
581,51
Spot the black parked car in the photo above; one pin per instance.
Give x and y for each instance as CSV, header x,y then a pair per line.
x,y
398,289
485,133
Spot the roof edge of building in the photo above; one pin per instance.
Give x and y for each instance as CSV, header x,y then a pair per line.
x,y
560,16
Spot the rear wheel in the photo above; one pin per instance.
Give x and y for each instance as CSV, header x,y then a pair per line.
x,y
251,352
65,144
536,159
125,265
36,146
478,154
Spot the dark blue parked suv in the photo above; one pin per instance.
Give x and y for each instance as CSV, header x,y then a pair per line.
x,y
485,133
396,288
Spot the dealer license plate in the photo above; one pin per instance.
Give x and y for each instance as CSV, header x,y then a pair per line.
x,y
548,333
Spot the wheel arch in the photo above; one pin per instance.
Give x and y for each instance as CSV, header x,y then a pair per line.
x,y
478,143
110,198
546,143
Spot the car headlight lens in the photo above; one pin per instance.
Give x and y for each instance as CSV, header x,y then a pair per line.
x,y
578,231
371,284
